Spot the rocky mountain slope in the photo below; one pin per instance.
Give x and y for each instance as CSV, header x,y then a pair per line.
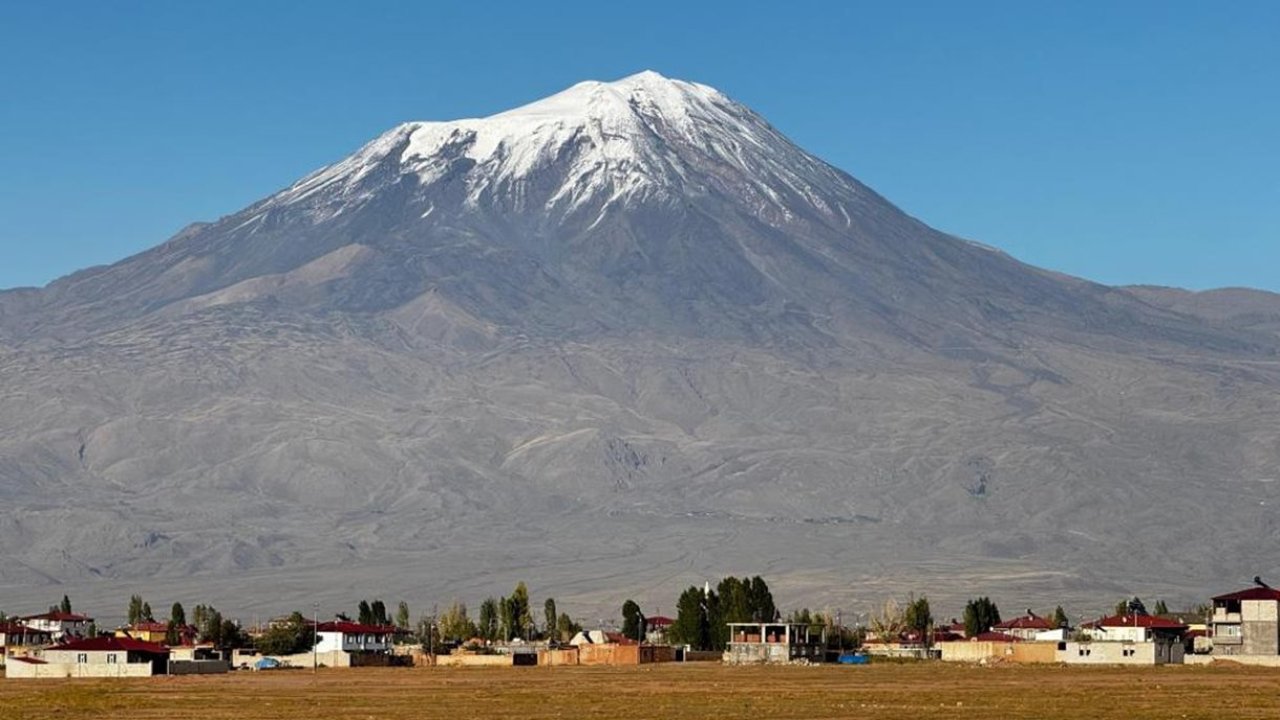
x,y
615,342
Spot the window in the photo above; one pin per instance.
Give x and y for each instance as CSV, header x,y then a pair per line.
x,y
1127,652
82,658
111,658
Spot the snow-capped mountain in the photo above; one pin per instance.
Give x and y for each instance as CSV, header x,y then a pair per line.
x,y
629,320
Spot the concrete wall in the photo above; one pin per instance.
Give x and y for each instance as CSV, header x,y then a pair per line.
x,y
25,670
198,667
1019,652
1121,653
1259,627
474,660
558,656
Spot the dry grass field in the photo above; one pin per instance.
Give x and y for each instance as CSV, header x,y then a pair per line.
x,y
667,691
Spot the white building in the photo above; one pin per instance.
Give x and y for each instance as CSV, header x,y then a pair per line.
x,y
59,624
96,657
344,636
1127,640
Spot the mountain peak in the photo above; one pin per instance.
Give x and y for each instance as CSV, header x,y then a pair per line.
x,y
644,135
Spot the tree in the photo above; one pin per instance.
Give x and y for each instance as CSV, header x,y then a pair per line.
x,y
364,613
402,615
489,619
632,621
455,625
66,605
917,617
1060,618
521,615
692,625
92,632
177,622
1161,608
177,615
760,600
980,615
134,615
1131,607
379,612
566,627
286,638
888,622
550,618
147,616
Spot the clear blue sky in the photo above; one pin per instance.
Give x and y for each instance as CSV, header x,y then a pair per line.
x,y
1122,141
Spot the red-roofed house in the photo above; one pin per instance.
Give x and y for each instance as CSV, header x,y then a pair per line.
x,y
1247,622
102,656
1127,640
351,637
60,625
16,638
656,628
1025,627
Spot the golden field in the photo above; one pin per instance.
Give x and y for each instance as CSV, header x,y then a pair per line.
x,y
704,690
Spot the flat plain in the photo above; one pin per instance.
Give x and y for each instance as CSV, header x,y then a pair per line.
x,y
668,691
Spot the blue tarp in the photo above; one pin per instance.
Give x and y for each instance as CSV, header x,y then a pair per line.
x,y
853,659
266,663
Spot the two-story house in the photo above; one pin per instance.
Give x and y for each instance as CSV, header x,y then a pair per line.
x,y
1247,622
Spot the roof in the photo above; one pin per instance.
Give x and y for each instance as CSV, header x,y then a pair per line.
x,y
353,628
995,637
1026,622
658,621
13,628
1154,622
1253,593
58,616
154,626
28,660
109,643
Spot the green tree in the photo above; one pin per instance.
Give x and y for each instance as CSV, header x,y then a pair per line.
x,y
692,625
66,604
566,628
917,616
177,615
489,619
1131,607
521,612
286,638
364,613
1161,608
760,600
980,615
632,621
92,632
147,615
550,617
378,610
134,615
402,615
1060,618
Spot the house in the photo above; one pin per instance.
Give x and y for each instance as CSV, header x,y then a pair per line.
x,y
351,637
157,632
61,625
1247,622
1026,627
600,637
18,639
1127,640
656,629
103,656
772,643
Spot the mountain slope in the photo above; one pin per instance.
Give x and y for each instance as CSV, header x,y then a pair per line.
x,y
628,326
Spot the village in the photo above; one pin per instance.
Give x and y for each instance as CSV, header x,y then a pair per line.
x,y
734,622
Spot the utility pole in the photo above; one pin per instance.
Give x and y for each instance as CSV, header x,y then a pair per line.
x,y
315,637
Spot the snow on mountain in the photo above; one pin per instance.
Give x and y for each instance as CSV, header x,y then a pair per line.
x,y
642,136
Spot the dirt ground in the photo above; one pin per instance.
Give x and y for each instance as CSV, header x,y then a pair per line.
x,y
931,690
